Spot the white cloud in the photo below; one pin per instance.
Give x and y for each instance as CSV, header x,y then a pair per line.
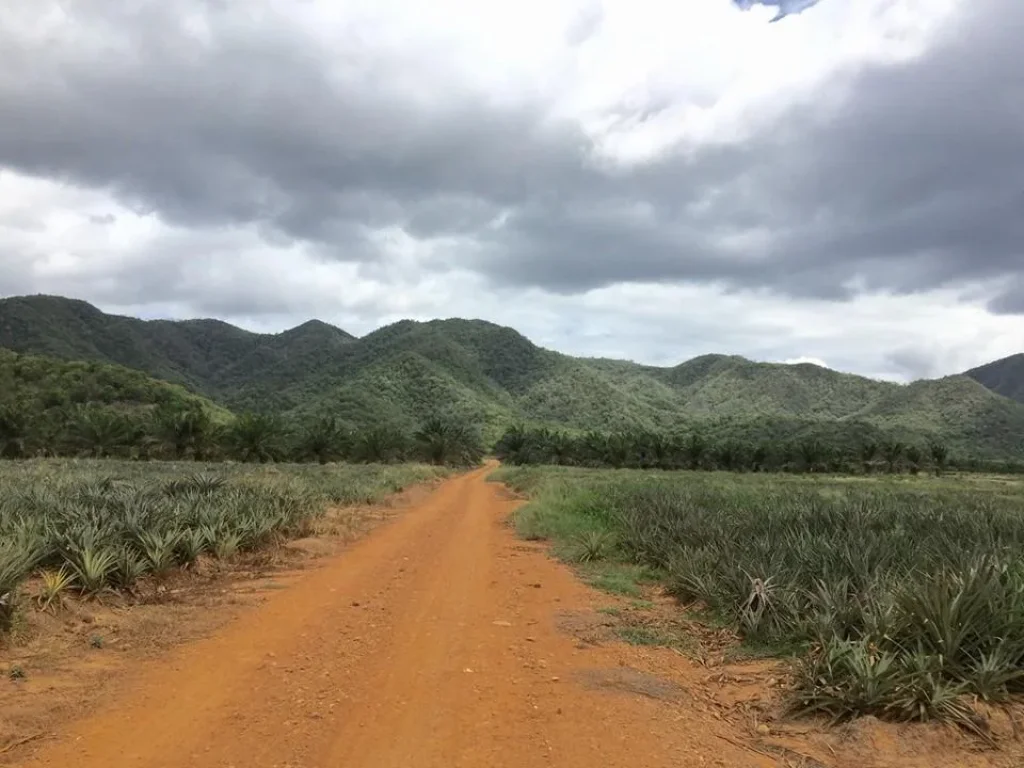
x,y
806,360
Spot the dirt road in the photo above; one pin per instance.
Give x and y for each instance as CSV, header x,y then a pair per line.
x,y
433,642
437,641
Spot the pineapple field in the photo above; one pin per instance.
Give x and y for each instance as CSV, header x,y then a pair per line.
x,y
96,526
901,598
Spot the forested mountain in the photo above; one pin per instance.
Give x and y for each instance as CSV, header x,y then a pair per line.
x,y
58,403
34,383
1005,376
495,376
209,356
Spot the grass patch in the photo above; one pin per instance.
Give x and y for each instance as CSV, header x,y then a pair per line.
x,y
640,631
614,578
901,597
638,635
561,514
752,650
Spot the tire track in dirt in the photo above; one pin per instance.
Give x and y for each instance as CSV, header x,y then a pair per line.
x,y
431,643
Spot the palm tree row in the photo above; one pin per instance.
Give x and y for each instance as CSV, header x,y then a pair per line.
x,y
190,433
652,450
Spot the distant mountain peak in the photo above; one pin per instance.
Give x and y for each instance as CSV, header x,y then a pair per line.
x,y
316,327
46,301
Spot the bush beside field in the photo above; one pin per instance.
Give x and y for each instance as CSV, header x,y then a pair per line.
x,y
898,598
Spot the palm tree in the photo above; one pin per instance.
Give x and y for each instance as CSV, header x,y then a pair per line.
x,y
835,458
50,432
540,449
940,456
447,441
787,456
100,431
255,437
593,447
563,448
379,445
186,429
914,456
512,445
322,440
13,433
437,440
868,452
728,456
811,452
892,450
696,449
617,449
759,458
662,451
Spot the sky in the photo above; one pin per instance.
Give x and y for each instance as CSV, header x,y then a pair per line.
x,y
839,181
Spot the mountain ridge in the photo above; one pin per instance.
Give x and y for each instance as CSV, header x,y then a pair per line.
x,y
317,325
1004,376
495,375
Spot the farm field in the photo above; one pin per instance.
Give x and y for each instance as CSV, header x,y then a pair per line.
x,y
900,598
111,563
91,527
442,637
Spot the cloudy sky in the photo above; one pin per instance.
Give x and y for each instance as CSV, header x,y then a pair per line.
x,y
650,179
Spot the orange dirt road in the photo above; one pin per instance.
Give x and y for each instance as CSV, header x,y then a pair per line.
x,y
432,643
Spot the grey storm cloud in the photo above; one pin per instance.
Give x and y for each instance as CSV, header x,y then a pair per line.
x,y
784,7
914,363
1011,300
911,180
587,22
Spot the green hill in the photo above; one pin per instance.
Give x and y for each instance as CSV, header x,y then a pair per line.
x,y
1005,377
209,356
40,397
34,383
488,373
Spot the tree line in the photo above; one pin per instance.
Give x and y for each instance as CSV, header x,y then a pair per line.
x,y
189,432
696,451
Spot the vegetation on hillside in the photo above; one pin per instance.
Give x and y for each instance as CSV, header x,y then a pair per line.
x,y
209,356
50,406
36,384
494,377
1004,377
76,409
903,600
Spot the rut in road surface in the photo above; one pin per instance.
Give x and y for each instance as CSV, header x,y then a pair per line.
x,y
432,643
